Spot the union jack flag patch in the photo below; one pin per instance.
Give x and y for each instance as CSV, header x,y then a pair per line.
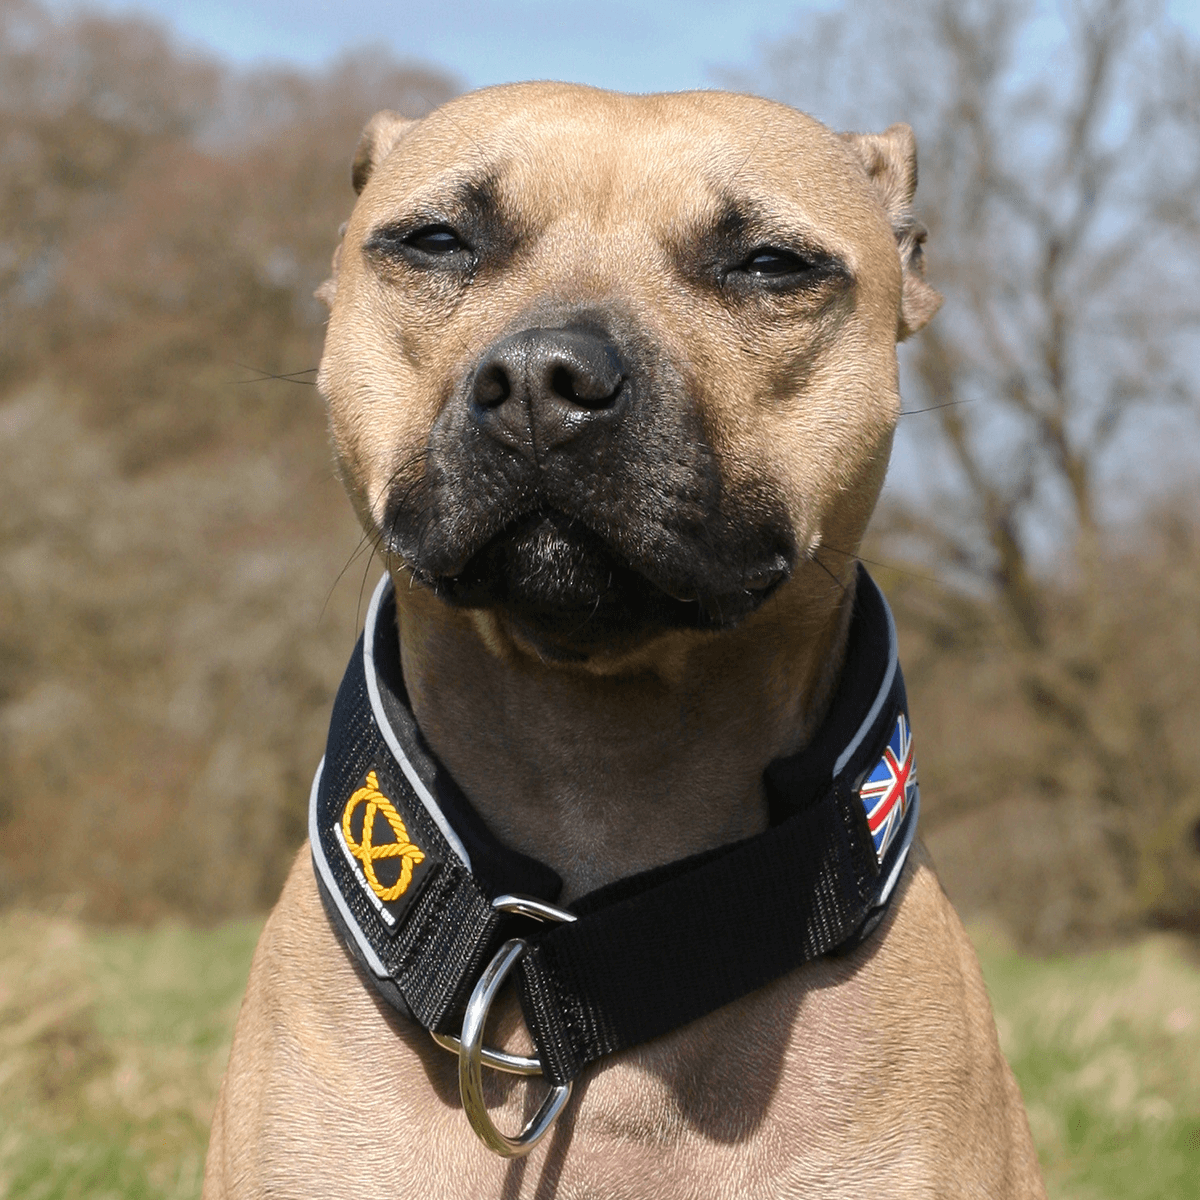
x,y
890,790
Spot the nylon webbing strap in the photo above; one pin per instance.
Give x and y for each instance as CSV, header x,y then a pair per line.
x,y
634,967
424,951
426,962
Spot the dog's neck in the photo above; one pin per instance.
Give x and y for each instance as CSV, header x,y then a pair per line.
x,y
605,769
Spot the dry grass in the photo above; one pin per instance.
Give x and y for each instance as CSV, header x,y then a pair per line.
x,y
1106,1047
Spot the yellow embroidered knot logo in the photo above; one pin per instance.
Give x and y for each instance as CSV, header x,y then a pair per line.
x,y
367,852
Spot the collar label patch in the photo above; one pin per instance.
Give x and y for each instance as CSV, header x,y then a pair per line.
x,y
889,791
389,866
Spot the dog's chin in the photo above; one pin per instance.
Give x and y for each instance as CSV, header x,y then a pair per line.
x,y
567,593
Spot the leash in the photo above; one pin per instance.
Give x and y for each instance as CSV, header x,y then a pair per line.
x,y
439,913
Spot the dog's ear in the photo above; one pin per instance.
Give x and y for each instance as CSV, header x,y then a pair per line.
x,y
379,135
327,292
890,160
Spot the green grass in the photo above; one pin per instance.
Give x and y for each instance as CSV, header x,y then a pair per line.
x,y
112,1045
1106,1048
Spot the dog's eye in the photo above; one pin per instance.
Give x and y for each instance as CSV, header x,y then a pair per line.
x,y
435,239
772,262
772,269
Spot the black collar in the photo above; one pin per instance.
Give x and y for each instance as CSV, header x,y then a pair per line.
x,y
407,869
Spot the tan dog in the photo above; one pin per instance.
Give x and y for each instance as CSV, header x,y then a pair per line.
x,y
612,381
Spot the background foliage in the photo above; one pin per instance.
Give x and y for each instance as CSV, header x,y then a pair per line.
x,y
171,536
170,530
1050,592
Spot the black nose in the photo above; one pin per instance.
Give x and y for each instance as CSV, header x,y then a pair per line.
x,y
539,388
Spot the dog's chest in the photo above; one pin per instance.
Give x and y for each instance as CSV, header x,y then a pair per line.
x,y
771,1096
834,1081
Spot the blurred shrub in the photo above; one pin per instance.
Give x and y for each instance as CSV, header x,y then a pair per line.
x,y
1060,788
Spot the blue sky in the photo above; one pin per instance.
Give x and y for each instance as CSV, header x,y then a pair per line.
x,y
652,45
656,45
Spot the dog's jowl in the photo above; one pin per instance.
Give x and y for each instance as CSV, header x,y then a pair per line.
x,y
613,887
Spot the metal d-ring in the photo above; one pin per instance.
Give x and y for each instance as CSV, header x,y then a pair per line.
x,y
528,906
470,1064
473,1055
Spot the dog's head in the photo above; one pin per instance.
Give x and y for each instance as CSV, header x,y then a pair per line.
x,y
613,365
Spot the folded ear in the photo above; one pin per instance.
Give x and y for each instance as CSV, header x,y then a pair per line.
x,y
379,135
890,160
327,292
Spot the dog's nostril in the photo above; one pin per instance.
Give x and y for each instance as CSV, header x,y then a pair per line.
x,y
539,388
585,389
562,383
492,387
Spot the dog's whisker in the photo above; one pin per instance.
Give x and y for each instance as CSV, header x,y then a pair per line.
x,y
814,558
363,582
262,376
887,566
915,412
363,542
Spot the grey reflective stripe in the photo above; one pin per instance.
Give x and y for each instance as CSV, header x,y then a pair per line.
x,y
331,887
389,736
910,819
884,688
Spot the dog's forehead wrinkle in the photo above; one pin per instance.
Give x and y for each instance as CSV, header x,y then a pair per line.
x,y
752,220
558,161
472,204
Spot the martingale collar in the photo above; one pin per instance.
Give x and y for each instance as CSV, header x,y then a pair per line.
x,y
408,870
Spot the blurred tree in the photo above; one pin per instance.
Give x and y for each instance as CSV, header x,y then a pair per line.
x,y
82,103
1060,165
169,532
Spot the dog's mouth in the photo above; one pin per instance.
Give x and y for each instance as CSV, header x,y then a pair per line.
x,y
568,587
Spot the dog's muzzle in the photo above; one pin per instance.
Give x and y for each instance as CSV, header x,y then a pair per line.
x,y
569,480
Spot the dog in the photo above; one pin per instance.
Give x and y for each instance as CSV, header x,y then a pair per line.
x,y
612,384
